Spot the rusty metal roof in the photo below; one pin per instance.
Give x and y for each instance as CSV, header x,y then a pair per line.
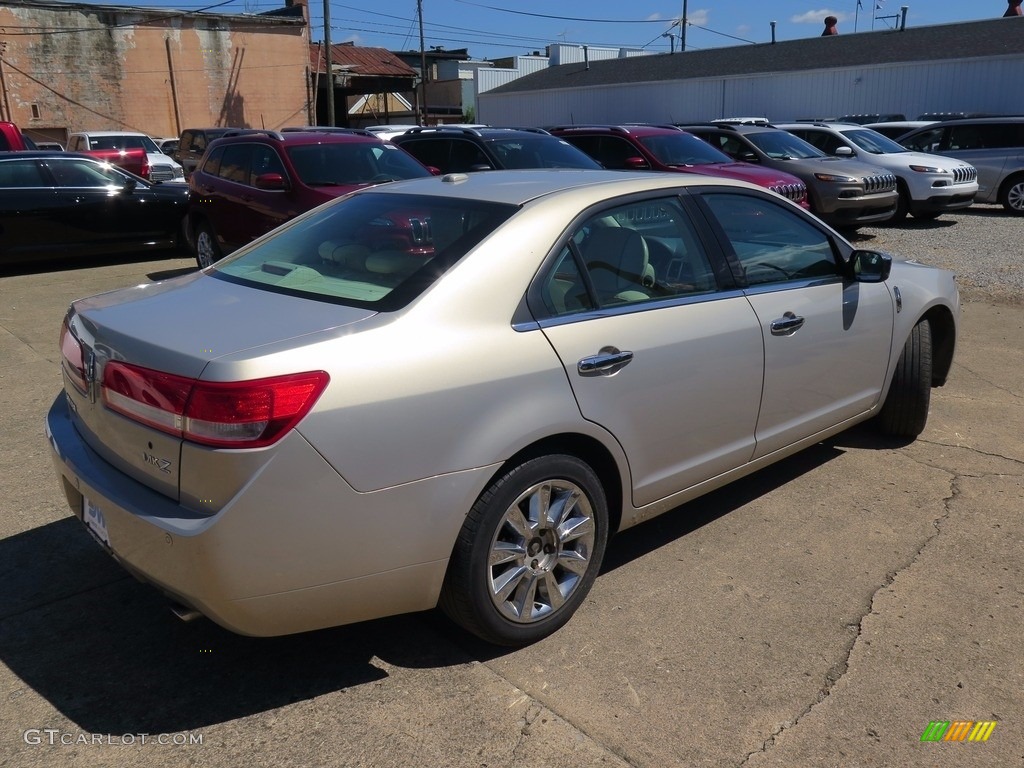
x,y
366,62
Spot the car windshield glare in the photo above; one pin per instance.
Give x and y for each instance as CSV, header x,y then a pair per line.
x,y
378,251
874,142
337,164
781,145
124,142
683,149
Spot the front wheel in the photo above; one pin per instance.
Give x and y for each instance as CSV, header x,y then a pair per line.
x,y
905,411
1012,195
529,551
207,250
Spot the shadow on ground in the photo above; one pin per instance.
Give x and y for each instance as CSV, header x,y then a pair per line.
x,y
107,653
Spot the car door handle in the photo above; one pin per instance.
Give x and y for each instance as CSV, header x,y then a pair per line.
x,y
606,362
787,324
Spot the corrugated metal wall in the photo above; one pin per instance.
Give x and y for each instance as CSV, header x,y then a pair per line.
x,y
994,85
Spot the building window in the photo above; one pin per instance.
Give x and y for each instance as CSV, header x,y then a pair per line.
x,y
35,112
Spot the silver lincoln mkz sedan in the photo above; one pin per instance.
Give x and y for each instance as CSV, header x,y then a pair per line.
x,y
451,391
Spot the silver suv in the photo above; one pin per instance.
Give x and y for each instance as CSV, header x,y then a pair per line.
x,y
928,185
844,193
993,145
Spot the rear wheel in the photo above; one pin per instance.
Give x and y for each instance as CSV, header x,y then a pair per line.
x,y
905,411
528,552
207,250
1011,196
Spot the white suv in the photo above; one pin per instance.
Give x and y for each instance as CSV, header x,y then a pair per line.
x,y
929,185
161,167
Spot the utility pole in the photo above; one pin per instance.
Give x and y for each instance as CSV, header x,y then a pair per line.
x,y
423,67
330,64
682,30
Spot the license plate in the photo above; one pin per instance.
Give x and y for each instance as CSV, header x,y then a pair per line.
x,y
92,516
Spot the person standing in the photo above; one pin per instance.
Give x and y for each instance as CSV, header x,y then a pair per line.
x,y
1013,8
830,25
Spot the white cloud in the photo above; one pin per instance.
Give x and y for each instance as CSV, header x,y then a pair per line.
x,y
654,17
699,17
818,17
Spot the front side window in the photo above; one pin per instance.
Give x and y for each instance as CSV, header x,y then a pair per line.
x,y
377,251
925,141
631,254
234,163
771,243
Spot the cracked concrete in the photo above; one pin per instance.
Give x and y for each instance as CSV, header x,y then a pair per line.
x,y
820,613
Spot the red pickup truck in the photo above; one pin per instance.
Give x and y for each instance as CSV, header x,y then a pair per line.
x,y
12,139
132,160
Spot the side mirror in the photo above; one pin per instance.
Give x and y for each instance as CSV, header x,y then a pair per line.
x,y
270,181
481,167
637,164
434,170
870,266
746,156
844,152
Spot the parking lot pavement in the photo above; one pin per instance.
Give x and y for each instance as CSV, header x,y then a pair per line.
x,y
820,613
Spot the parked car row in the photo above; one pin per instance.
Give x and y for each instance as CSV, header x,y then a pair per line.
x,y
245,182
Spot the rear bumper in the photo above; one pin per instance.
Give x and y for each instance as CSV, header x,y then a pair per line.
x,y
296,549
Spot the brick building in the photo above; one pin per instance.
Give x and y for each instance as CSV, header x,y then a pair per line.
x,y
66,67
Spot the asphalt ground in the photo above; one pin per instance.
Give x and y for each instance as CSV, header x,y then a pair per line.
x,y
820,613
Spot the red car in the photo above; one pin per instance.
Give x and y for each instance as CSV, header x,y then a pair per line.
x,y
250,182
666,148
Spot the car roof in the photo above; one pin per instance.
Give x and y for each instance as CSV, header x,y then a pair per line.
x,y
485,133
300,136
627,129
111,133
520,187
835,126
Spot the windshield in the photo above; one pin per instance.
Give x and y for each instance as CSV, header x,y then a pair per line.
x,y
124,142
780,145
683,149
873,142
540,152
376,251
352,162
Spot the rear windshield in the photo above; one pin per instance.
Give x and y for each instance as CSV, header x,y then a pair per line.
x,y
681,149
540,152
124,142
781,145
376,251
345,164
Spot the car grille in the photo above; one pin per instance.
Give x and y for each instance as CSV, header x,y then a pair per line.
x,y
965,174
161,173
795,192
883,182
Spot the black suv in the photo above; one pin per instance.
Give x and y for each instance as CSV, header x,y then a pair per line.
x,y
459,150
192,144
251,182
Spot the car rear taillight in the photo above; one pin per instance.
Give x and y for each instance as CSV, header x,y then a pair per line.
x,y
73,358
237,414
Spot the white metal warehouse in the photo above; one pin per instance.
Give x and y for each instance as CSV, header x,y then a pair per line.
x,y
968,67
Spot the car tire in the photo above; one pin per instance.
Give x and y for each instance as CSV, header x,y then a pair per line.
x,y
207,250
528,552
1011,195
902,203
905,411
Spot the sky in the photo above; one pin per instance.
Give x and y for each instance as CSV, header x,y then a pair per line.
x,y
493,29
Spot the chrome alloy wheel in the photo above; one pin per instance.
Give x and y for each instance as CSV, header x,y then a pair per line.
x,y
206,248
1015,197
541,550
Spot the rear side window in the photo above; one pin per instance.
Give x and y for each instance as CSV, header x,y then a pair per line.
x,y
986,136
21,173
377,251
